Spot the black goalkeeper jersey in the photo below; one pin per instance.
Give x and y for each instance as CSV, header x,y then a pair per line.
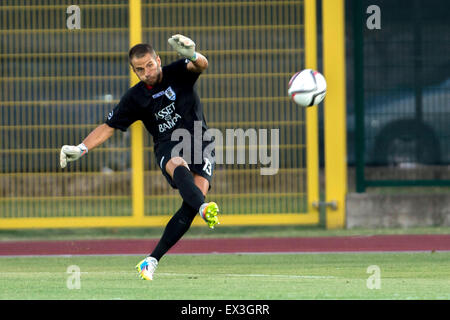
x,y
170,105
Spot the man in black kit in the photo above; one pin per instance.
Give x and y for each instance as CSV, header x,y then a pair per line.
x,y
164,100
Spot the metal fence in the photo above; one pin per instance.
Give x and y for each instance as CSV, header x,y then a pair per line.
x,y
252,48
58,83
400,133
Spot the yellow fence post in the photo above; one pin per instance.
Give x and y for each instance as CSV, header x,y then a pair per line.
x,y
335,111
137,129
312,138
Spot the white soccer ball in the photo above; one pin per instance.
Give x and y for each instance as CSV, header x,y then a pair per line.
x,y
307,88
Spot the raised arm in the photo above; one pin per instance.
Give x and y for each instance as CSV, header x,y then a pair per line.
x,y
199,65
186,48
97,136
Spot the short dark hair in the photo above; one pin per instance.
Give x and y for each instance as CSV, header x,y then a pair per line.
x,y
141,50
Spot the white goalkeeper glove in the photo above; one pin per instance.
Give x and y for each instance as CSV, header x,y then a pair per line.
x,y
184,46
71,153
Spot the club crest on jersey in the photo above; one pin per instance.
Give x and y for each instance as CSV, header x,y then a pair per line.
x,y
170,94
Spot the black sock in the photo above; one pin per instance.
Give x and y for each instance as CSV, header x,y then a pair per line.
x,y
186,186
175,229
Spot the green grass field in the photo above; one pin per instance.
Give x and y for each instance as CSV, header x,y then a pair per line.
x,y
235,277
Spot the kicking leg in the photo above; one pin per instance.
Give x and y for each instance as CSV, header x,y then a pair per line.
x,y
179,171
208,211
193,189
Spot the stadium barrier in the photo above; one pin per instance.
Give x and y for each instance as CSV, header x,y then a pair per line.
x,y
62,73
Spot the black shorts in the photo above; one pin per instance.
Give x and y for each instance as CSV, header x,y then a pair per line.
x,y
200,163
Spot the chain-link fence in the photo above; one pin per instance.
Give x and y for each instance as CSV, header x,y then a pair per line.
x,y
401,127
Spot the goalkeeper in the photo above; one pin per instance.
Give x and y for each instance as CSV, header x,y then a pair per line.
x,y
164,100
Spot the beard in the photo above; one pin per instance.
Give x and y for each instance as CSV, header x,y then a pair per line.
x,y
155,79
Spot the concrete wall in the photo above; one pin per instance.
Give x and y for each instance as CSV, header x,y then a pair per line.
x,y
370,210
398,207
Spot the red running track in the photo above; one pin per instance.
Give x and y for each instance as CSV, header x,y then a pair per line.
x,y
378,243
